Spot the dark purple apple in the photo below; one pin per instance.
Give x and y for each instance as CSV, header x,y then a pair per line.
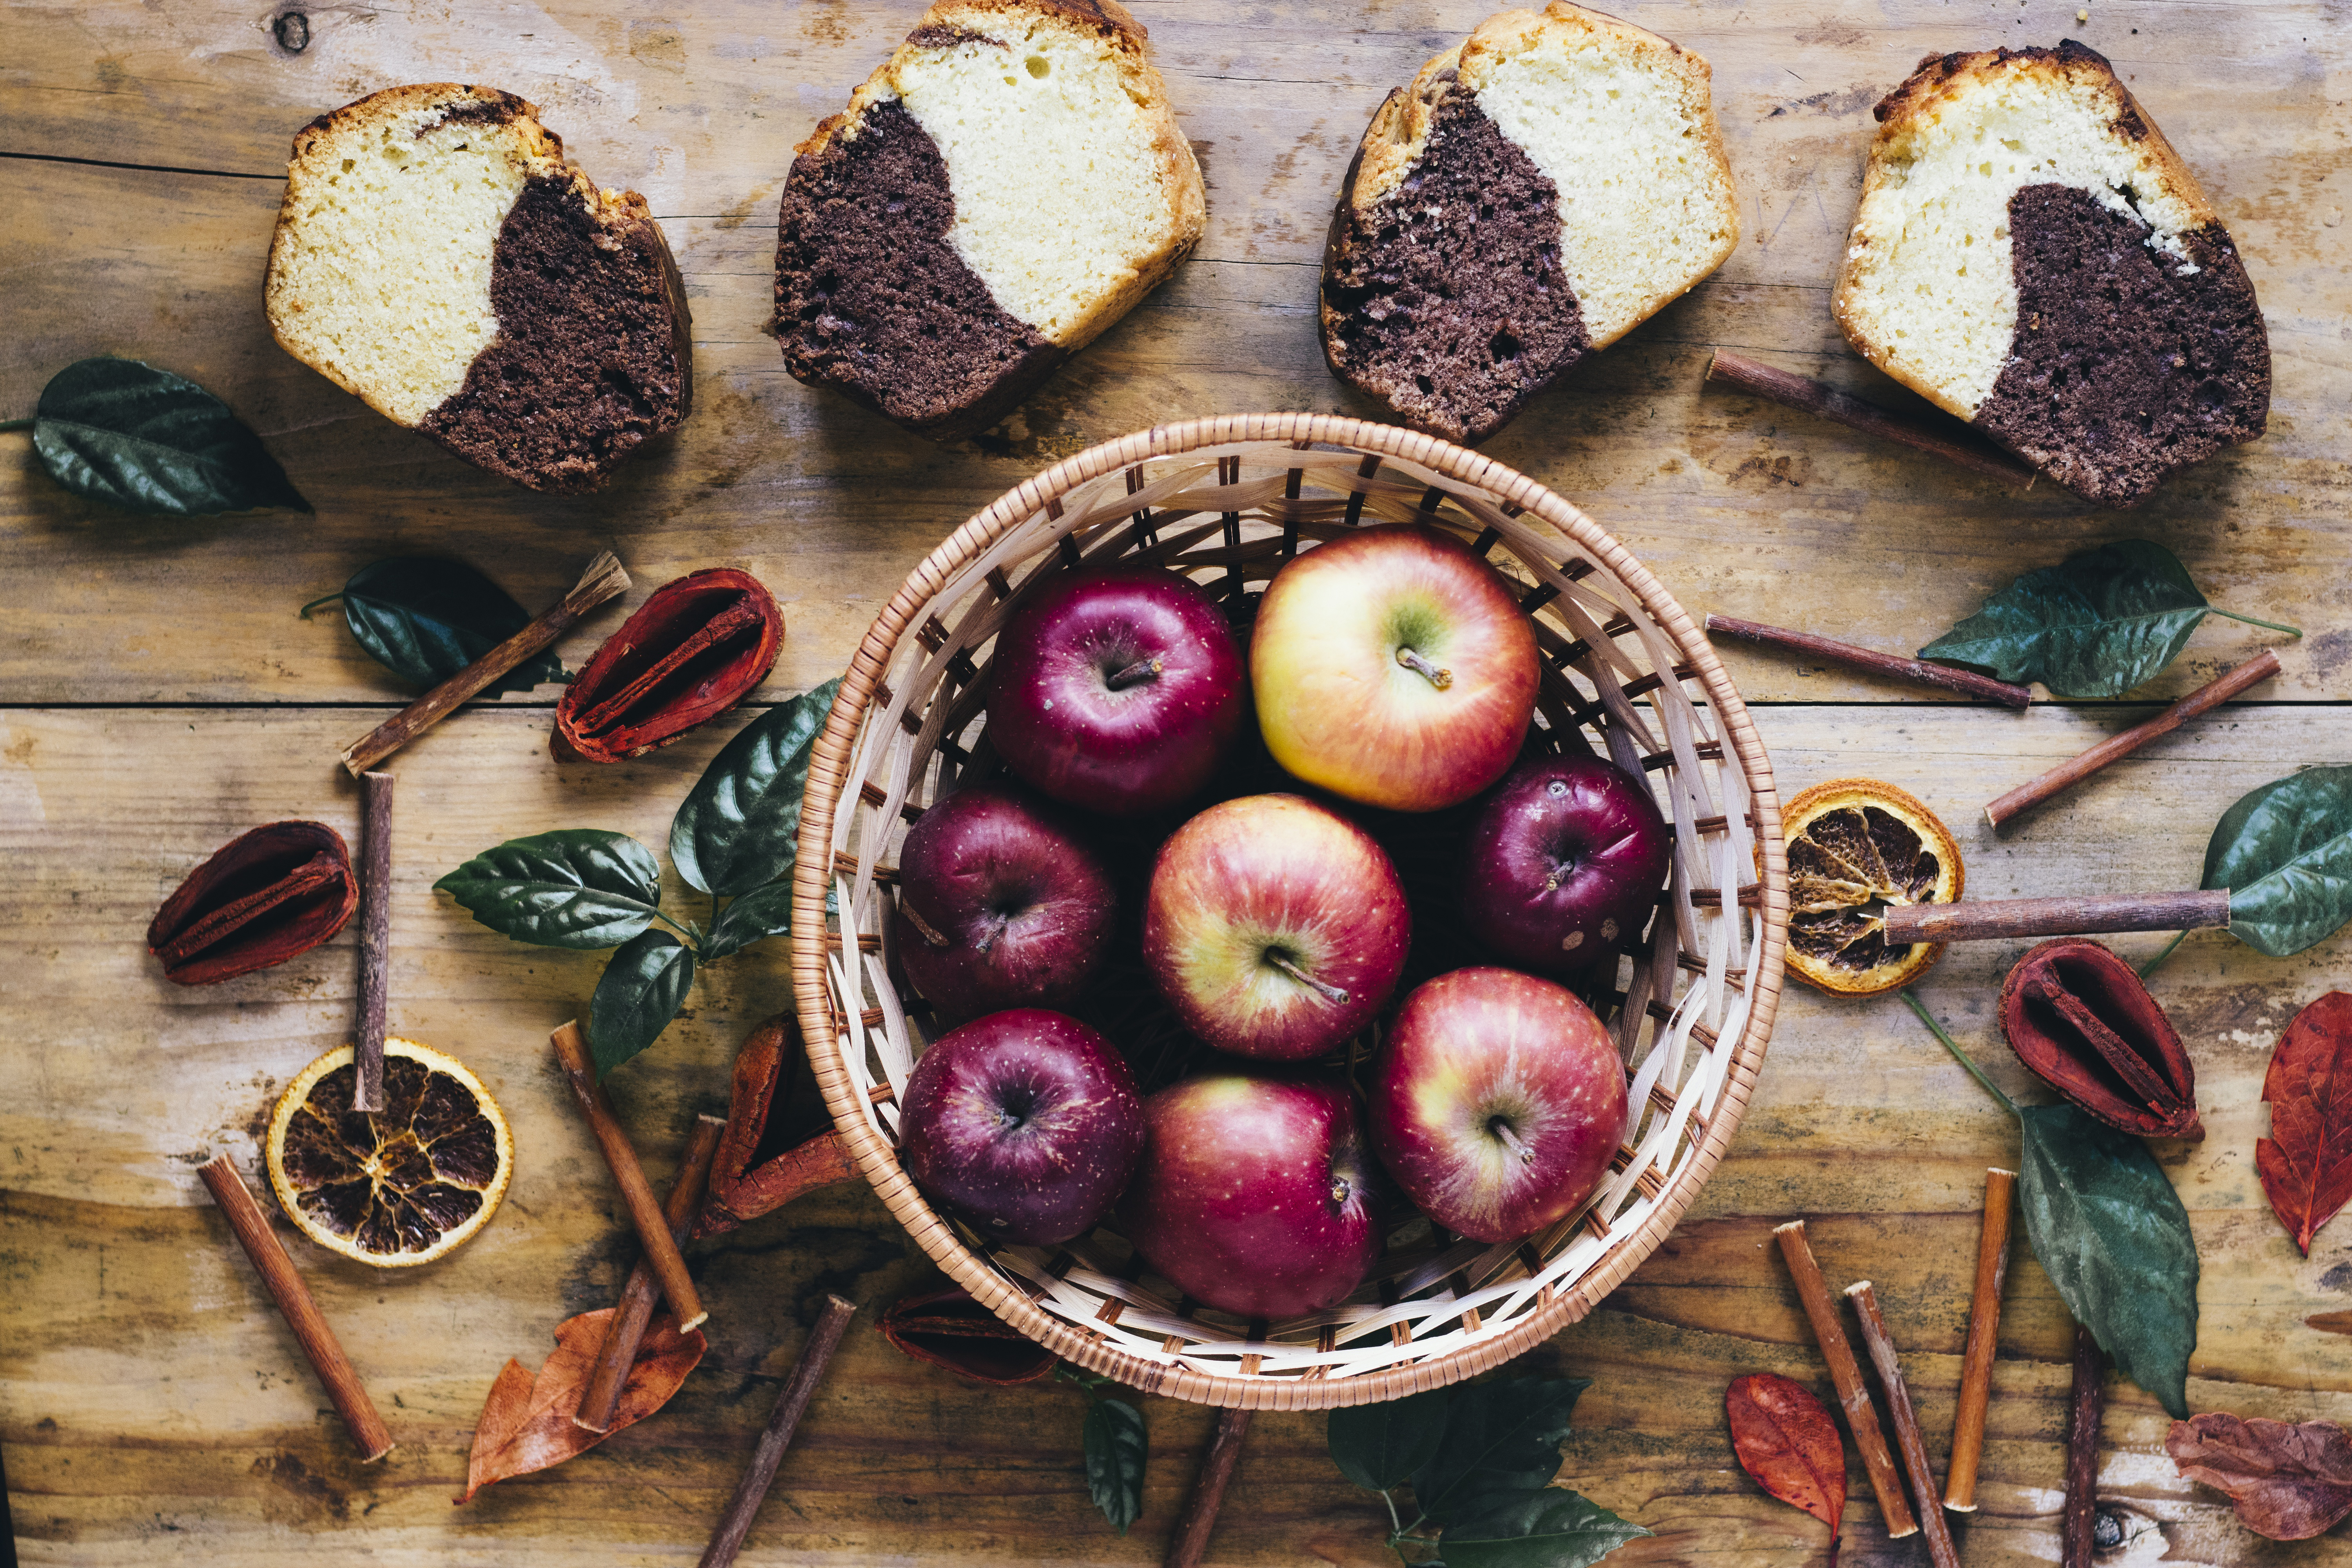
x,y
1275,927
1496,1102
1563,865
1117,689
1025,1122
1256,1194
1000,903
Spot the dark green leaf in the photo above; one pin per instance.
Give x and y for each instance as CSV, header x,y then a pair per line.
x,y
737,830
2095,625
2113,1237
425,619
1377,1447
1499,1436
580,888
643,988
763,912
1115,1457
2284,851
1546,1527
123,432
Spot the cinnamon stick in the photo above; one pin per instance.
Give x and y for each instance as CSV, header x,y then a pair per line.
x,y
1990,920
791,1403
251,1228
1191,1539
1940,1550
2067,774
1812,398
375,937
1918,671
2075,1544
600,1402
653,1230
602,580
1984,1329
1853,1397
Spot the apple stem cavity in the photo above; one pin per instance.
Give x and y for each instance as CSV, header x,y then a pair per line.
x,y
1331,992
1135,674
922,926
1501,1128
1436,676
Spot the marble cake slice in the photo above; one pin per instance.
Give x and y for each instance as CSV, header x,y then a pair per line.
x,y
436,255
1006,185
2031,255
1533,195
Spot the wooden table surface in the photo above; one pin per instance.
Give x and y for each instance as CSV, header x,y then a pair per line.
x,y
161,696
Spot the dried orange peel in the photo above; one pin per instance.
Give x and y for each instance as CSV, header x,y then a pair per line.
x,y
397,1187
1856,846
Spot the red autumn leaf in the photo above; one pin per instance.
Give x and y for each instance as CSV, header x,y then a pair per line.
x,y
2290,1483
526,1422
1788,1442
2307,1161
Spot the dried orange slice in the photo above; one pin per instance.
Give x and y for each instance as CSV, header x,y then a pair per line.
x,y
395,1187
1856,846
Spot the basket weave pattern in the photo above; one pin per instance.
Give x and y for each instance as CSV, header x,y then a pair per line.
x,y
1236,497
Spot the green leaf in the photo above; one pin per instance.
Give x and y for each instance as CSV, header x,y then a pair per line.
x,y
1115,1451
761,913
2284,851
2095,625
1499,1436
1377,1447
123,432
643,988
581,888
737,830
425,619
1544,1527
2113,1237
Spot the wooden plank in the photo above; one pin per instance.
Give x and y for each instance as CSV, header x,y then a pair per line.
x,y
152,1399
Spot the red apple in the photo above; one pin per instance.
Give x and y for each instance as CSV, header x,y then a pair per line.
x,y
1395,667
1025,1122
1254,1195
1275,927
1496,1102
1116,689
1563,865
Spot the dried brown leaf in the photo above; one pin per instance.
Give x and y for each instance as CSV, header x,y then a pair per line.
x,y
2307,1161
1785,1438
526,1422
2290,1482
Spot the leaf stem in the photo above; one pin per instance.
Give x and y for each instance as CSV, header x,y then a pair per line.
x,y
316,603
2250,620
16,425
684,929
2153,965
1960,1055
1396,1525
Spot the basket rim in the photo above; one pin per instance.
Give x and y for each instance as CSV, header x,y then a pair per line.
x,y
830,756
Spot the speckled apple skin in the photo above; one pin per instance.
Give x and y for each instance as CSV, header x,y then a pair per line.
x,y
1475,1043
1563,866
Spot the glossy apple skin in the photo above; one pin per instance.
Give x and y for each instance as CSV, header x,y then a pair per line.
x,y
1055,719
1563,864
1476,1046
1026,907
1274,873
1256,1194
1337,709
1027,1121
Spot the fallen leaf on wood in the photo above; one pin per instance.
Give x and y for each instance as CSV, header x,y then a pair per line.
x,y
1787,1441
2290,1483
2307,1161
526,1422
2330,1322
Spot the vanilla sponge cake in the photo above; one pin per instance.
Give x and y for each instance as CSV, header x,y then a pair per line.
x,y
1533,195
1006,185
2031,255
436,255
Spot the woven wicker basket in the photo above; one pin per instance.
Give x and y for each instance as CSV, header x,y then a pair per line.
x,y
1240,495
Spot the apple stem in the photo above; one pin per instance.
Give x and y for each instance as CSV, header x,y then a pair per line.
x,y
1502,1129
1135,674
907,908
1331,992
1440,678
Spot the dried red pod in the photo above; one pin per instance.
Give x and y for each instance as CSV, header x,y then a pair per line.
x,y
261,898
2080,1019
948,1329
691,652
771,1153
